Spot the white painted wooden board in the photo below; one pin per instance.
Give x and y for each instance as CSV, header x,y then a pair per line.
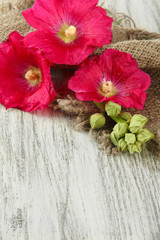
x,y
56,185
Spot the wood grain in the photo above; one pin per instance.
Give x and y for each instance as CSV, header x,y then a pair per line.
x,y
56,185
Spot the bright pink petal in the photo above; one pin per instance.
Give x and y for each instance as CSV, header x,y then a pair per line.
x,y
111,64
90,96
96,27
137,80
15,38
39,100
55,50
86,79
44,15
136,99
48,5
117,67
77,52
15,90
126,77
76,11
35,21
48,16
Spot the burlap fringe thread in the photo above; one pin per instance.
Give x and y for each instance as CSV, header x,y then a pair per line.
x,y
7,5
144,47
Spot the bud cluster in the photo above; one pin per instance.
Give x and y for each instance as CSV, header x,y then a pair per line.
x,y
129,133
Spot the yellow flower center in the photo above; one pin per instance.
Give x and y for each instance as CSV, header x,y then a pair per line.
x,y
107,89
67,33
33,76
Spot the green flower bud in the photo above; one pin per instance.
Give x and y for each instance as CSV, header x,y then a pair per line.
x,y
137,123
130,138
122,145
97,121
125,116
136,147
120,129
144,135
112,109
114,138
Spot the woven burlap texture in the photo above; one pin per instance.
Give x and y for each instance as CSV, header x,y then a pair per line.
x,y
144,47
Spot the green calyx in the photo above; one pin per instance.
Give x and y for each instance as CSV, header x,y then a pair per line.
x,y
136,147
120,129
130,138
122,145
112,109
137,123
114,138
144,135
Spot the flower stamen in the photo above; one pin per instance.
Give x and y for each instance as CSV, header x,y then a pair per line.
x,y
107,89
67,33
33,76
70,32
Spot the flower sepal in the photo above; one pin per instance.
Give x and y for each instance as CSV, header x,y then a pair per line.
x,y
112,109
136,147
122,145
130,138
114,138
137,123
120,129
144,135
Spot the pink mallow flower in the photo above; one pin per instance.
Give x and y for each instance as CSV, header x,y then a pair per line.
x,y
25,80
68,30
114,76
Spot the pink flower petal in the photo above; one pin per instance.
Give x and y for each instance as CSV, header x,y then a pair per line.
x,y
55,50
44,15
97,29
111,64
130,83
35,21
93,29
84,80
136,99
15,90
90,96
49,44
78,8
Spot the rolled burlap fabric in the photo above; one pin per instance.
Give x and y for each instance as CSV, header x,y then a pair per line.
x,y
144,47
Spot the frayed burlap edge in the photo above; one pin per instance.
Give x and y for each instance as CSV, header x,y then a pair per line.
x,y
7,6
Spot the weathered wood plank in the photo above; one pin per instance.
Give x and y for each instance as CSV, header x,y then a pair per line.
x,y
56,184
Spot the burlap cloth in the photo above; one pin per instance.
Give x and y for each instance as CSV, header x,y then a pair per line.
x,y
144,47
